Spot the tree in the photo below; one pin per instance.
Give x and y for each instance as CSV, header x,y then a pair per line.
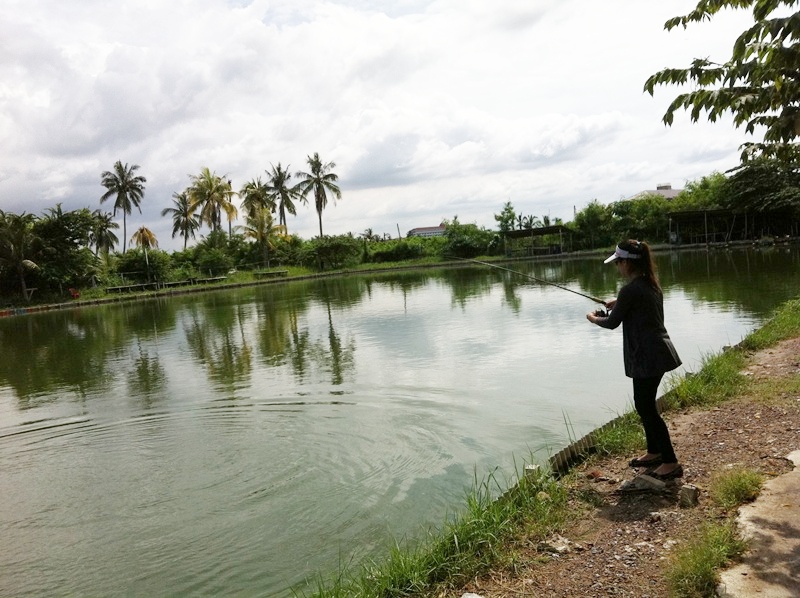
x,y
321,180
128,189
64,257
184,221
530,222
593,225
18,243
282,195
703,194
261,228
102,234
211,194
255,196
759,85
145,239
505,219
764,185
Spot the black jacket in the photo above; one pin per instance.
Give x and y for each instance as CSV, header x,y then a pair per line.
x,y
647,348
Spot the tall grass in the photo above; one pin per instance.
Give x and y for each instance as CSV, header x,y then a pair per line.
x,y
469,544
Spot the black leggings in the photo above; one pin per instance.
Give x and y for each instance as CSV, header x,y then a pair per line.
x,y
655,430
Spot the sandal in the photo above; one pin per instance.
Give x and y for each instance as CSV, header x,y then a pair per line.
x,y
653,462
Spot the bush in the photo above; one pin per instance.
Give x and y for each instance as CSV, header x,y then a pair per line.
x,y
395,251
331,252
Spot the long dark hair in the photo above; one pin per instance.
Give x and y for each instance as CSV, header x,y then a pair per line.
x,y
644,264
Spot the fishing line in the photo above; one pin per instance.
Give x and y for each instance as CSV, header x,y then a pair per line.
x,y
518,273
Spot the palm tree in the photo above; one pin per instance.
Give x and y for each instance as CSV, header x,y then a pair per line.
x,y
255,196
102,234
128,188
211,194
144,238
17,243
320,180
261,228
184,222
281,194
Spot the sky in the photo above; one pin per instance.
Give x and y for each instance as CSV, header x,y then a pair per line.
x,y
430,109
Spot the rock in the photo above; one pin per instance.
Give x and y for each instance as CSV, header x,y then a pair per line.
x,y
651,483
471,595
689,496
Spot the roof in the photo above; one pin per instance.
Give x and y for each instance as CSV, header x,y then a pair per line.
x,y
664,190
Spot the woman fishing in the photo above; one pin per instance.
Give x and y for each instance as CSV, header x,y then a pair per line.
x,y
648,352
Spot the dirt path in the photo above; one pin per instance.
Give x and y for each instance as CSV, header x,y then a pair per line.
x,y
619,546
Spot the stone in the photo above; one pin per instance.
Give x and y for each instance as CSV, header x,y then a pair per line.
x,y
689,496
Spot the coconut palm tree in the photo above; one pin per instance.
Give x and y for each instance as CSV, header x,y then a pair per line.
x,y
184,222
127,187
321,181
262,229
144,238
255,196
102,234
282,195
18,243
211,194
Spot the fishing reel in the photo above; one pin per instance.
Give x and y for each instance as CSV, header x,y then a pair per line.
x,y
600,313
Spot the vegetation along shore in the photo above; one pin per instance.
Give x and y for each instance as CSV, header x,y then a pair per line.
x,y
587,531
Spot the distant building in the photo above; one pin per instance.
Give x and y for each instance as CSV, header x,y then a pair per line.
x,y
665,190
427,231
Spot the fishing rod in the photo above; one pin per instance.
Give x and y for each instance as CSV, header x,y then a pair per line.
x,y
542,280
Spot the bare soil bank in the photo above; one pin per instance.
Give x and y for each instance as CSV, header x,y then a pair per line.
x,y
619,545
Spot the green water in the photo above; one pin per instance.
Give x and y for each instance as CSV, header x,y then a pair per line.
x,y
239,442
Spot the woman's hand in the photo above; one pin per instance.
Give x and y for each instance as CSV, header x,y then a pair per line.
x,y
611,304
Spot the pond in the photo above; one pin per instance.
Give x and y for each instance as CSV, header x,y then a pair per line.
x,y
244,441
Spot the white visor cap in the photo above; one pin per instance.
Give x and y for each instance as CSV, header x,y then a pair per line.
x,y
621,254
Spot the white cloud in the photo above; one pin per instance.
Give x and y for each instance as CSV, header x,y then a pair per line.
x,y
430,108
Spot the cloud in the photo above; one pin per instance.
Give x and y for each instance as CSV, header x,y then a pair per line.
x,y
428,107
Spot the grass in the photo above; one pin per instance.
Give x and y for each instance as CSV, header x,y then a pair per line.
x,y
736,487
480,538
692,570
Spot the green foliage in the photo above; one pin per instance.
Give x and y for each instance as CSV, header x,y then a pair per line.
x,y
505,219
763,185
466,240
64,257
212,261
641,218
593,225
395,251
140,266
707,193
331,252
757,85
735,487
692,571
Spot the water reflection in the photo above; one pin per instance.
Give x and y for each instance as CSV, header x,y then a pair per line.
x,y
364,406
